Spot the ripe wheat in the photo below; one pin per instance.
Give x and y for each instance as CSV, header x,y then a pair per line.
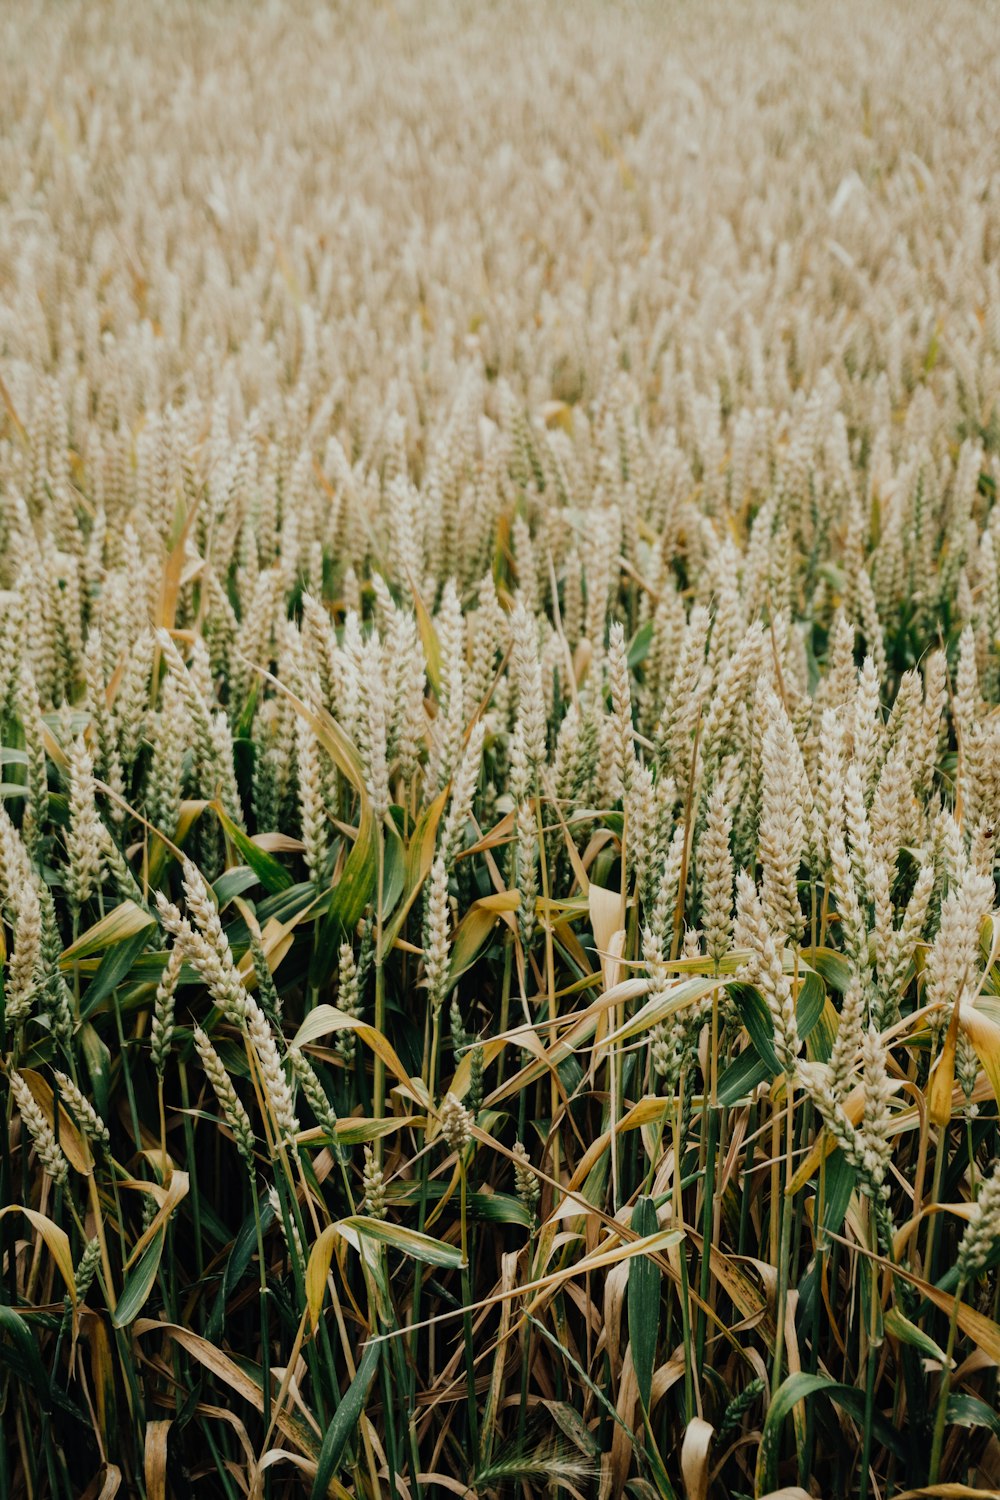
x,y
500,732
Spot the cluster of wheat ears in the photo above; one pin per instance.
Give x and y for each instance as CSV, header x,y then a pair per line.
x,y
500,806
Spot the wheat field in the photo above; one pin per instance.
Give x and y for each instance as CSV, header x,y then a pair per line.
x,y
499,750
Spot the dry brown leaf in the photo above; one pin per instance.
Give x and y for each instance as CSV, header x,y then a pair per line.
x,y
155,1459
626,1406
695,1451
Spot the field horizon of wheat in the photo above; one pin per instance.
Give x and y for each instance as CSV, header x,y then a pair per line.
x,y
499,751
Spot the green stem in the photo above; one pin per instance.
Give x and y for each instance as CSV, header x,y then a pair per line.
x,y
379,990
470,1367
690,1404
941,1415
939,1161
783,1207
265,1350
870,1373
710,1117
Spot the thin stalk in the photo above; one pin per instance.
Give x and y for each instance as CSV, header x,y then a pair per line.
x,y
194,1197
379,990
686,852
941,1414
745,1195
127,1075
467,1299
95,1203
692,1397
783,1207
418,1278
870,1374
391,1457
265,1339
508,969
221,1468
940,1156
550,973
812,1362
710,1118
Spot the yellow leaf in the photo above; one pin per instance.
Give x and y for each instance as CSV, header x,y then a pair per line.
x,y
123,922
170,587
55,752
419,858
854,1108
75,1145
236,1378
607,918
650,1244
176,1189
558,414
984,1034
428,639
55,1238
942,1079
326,1018
276,938
976,1325
317,1271
476,926
981,1329
94,1332
11,409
